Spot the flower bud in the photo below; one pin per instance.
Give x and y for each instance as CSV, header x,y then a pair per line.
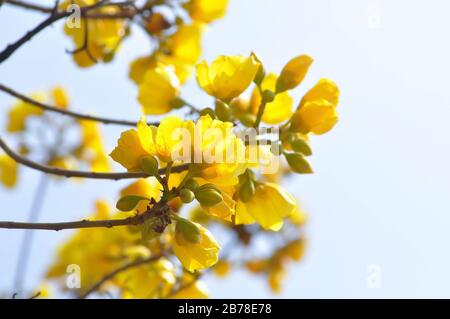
x,y
298,163
293,73
127,203
186,195
149,165
247,190
301,146
223,111
191,184
208,196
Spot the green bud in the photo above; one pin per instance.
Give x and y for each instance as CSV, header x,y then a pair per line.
x,y
208,196
208,111
191,184
246,191
177,103
186,195
223,111
149,165
298,163
268,96
127,203
210,186
301,146
188,230
247,119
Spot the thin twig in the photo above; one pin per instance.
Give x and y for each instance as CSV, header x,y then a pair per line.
x,y
83,174
137,219
114,273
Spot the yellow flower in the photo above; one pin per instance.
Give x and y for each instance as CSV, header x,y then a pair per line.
x,y
195,290
217,152
277,111
104,34
8,171
293,73
147,281
227,76
92,144
158,90
207,10
60,97
135,144
139,67
185,43
318,117
20,112
325,89
268,207
196,256
181,51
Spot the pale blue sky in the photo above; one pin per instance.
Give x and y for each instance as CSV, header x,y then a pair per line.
x,y
381,191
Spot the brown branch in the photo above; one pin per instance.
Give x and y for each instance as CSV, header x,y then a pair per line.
x,y
83,174
114,273
128,13
77,115
137,219
54,16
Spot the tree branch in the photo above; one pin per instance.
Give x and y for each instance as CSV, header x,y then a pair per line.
x,y
137,219
76,115
83,174
129,13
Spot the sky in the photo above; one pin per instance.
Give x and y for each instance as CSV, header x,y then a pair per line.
x,y
379,201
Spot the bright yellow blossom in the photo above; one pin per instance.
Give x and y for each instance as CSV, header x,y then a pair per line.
x,y
268,207
205,143
8,171
227,76
20,112
325,89
207,10
277,111
135,144
318,117
158,90
293,73
196,256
